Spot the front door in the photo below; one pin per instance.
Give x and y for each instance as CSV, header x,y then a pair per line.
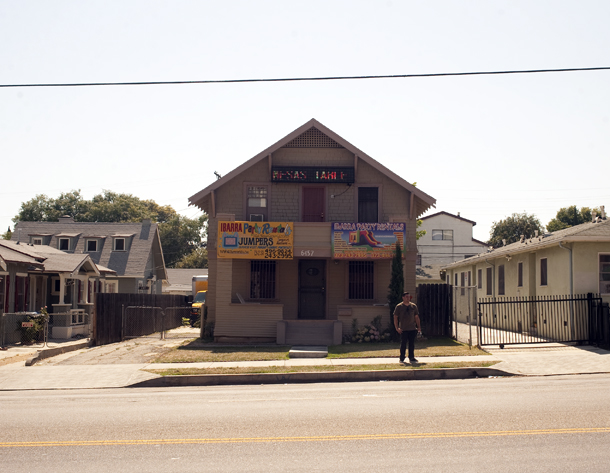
x,y
312,289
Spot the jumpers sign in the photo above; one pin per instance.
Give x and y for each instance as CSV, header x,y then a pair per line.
x,y
255,240
366,240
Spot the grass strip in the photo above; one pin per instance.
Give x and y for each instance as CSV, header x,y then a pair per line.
x,y
318,368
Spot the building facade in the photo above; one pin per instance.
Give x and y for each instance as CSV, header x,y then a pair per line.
x,y
300,240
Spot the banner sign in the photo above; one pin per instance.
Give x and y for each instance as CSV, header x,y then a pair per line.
x,y
255,240
313,174
366,240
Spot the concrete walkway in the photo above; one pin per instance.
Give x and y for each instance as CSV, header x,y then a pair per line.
x,y
60,373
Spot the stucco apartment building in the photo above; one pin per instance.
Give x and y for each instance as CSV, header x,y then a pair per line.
x,y
301,238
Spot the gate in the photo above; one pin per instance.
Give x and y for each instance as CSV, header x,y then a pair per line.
x,y
434,304
147,321
547,319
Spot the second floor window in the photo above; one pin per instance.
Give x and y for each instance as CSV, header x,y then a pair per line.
x,y
256,210
64,244
442,234
119,244
368,204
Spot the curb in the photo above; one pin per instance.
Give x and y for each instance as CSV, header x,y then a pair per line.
x,y
319,377
49,352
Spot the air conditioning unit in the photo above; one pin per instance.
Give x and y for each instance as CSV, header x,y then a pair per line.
x,y
257,218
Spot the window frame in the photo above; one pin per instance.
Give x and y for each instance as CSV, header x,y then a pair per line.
x,y
600,272
544,272
59,243
117,239
479,278
92,240
445,235
520,274
489,284
501,280
254,210
270,289
365,271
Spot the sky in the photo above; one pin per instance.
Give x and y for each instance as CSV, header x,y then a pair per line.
x,y
485,146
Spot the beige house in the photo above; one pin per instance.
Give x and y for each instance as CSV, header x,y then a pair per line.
x,y
575,260
301,238
448,238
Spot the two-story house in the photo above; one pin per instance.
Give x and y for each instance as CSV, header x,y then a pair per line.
x,y
301,238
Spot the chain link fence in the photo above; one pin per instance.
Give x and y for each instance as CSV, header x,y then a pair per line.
x,y
24,328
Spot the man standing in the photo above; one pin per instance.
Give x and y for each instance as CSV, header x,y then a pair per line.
x,y
407,324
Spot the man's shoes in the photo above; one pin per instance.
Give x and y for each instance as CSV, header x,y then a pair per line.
x,y
413,360
401,361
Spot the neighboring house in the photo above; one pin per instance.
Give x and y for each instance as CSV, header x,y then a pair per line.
x,y
448,238
301,238
39,276
180,281
575,260
130,250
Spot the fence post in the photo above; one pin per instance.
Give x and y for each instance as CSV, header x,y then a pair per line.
x,y
122,322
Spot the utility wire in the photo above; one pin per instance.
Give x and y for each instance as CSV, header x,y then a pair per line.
x,y
296,79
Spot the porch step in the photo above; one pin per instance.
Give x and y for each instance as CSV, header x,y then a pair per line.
x,y
309,332
300,351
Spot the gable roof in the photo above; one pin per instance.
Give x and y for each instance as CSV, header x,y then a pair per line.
x,y
144,243
427,200
586,232
449,215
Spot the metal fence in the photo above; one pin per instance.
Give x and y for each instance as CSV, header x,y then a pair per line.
x,y
464,315
520,320
148,321
23,328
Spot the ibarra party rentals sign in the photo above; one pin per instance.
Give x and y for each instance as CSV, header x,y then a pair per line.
x,y
255,240
366,240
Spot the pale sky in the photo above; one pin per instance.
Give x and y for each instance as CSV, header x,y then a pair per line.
x,y
484,146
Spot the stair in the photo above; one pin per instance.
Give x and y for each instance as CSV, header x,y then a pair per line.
x,y
309,332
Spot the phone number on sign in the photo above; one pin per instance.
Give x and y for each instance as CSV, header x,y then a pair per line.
x,y
278,253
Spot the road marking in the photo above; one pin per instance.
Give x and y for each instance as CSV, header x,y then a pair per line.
x,y
324,438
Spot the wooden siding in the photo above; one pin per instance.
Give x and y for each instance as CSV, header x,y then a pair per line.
x,y
249,321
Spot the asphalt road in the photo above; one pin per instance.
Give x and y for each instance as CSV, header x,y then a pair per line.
x,y
501,424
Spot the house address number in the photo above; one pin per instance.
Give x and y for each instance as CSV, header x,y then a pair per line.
x,y
307,252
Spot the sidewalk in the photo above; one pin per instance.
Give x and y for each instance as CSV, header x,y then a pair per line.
x,y
56,373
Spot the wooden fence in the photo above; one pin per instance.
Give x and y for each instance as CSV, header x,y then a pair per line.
x,y
108,312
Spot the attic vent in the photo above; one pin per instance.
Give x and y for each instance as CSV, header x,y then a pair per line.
x,y
313,138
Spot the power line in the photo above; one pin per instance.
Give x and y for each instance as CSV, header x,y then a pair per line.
x,y
303,79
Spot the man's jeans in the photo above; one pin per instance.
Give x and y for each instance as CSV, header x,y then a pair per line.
x,y
407,336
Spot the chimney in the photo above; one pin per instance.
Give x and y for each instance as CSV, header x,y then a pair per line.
x,y
603,211
535,233
594,216
503,241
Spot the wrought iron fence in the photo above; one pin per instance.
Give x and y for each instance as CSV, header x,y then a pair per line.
x,y
518,320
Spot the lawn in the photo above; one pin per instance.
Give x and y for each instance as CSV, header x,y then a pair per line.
x,y
199,351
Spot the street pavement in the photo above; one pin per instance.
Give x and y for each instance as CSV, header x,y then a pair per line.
x,y
124,364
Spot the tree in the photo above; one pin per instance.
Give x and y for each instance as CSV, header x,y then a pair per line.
x,y
198,258
396,287
511,229
570,216
180,236
7,235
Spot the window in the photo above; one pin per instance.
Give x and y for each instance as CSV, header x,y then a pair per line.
x,y
64,244
361,276
21,286
368,204
37,241
462,281
262,279
489,282
256,204
501,280
456,276
442,234
479,279
119,244
91,245
544,278
520,275
418,260
604,274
